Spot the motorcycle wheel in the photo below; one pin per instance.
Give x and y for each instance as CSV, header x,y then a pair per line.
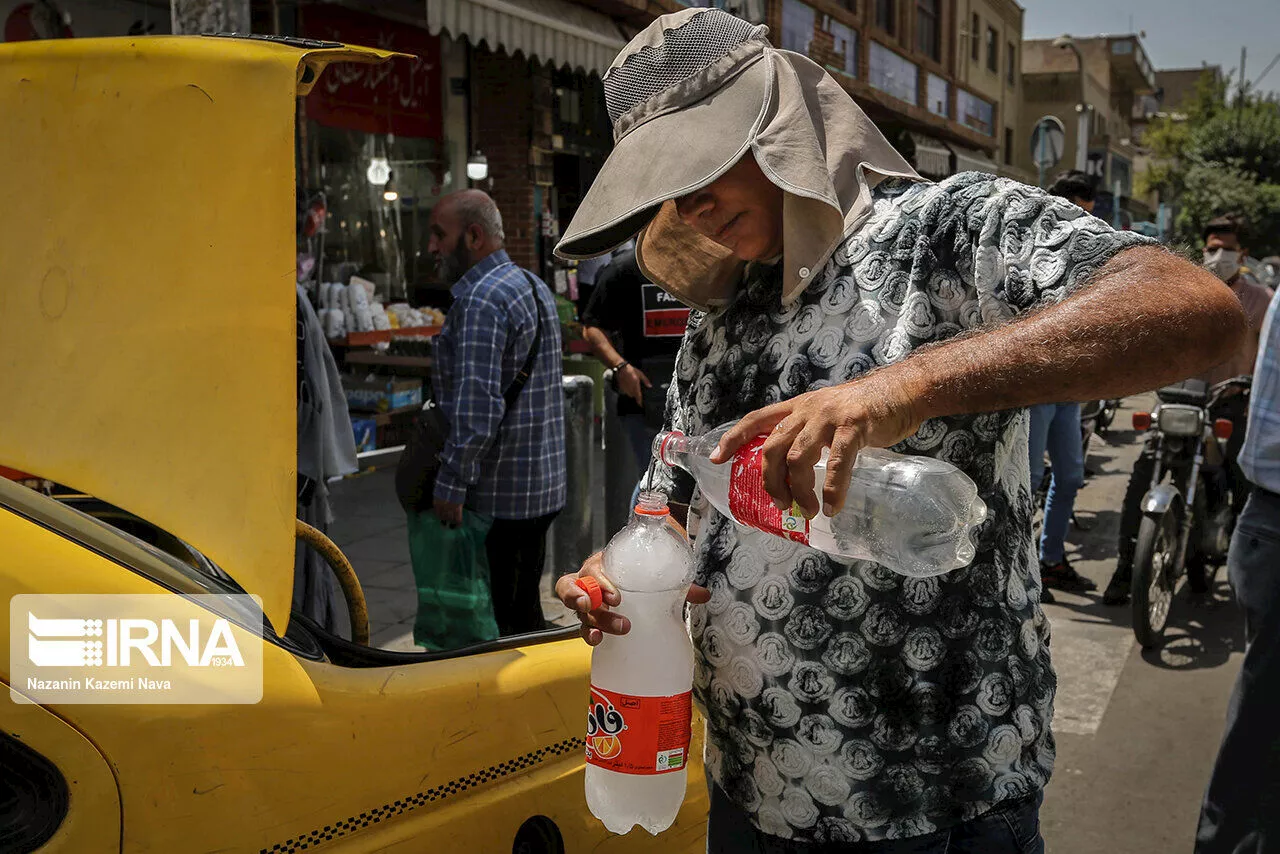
x,y
1105,417
1154,577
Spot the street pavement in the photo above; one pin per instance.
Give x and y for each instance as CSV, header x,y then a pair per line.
x,y
1137,731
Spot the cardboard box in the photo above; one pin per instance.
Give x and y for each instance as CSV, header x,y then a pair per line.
x,y
382,394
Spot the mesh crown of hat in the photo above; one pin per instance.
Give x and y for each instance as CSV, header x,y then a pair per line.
x,y
684,51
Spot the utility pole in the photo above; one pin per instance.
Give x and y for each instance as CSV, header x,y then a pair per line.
x,y
1243,54
1240,96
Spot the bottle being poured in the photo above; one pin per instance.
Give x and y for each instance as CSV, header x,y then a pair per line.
x,y
914,515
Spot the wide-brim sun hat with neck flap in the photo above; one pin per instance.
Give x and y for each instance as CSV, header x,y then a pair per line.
x,y
689,97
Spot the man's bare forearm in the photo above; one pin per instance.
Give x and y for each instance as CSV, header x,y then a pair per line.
x,y
601,346
1149,319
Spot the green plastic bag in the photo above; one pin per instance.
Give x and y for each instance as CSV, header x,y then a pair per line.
x,y
451,568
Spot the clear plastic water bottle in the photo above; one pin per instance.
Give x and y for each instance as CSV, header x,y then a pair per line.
x,y
639,716
914,515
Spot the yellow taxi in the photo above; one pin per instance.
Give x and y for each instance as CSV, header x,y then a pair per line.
x,y
147,360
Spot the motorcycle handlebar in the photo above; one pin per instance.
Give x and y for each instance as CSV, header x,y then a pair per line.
x,y
1217,391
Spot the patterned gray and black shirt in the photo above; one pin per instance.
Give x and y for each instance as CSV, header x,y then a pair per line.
x,y
845,702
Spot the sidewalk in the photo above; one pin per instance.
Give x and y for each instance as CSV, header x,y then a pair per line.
x,y
1137,731
371,529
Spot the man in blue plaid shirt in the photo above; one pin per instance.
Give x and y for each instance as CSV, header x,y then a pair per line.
x,y
507,464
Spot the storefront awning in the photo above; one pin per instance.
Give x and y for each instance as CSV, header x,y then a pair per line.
x,y
933,159
972,160
554,31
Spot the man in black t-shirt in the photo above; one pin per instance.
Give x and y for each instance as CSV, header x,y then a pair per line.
x,y
635,328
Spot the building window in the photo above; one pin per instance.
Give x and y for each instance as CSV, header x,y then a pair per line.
x,y
975,112
993,58
846,48
1008,146
887,16
1122,174
894,74
1011,53
973,37
928,29
797,26
939,96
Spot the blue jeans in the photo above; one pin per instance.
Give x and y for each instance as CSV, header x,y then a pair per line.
x,y
1241,809
1012,827
1056,427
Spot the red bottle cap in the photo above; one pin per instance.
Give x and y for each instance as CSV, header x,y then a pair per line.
x,y
591,587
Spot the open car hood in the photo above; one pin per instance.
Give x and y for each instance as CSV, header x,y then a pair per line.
x,y
147,329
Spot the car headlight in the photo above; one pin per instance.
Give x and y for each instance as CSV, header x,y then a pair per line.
x,y
1180,420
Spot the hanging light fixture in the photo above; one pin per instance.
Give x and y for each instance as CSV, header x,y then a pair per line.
x,y
389,189
477,166
379,171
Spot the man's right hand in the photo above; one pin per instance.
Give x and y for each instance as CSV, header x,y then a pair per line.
x,y
600,621
630,382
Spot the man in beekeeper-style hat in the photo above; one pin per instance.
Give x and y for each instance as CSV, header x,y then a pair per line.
x,y
844,302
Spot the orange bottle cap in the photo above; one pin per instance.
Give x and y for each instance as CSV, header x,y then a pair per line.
x,y
591,587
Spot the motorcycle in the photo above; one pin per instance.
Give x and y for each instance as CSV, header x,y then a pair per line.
x,y
1187,513
1090,423
1106,414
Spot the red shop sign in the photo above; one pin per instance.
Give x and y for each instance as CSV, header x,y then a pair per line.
x,y
401,96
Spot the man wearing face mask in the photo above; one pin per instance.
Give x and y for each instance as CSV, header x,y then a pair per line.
x,y
1223,255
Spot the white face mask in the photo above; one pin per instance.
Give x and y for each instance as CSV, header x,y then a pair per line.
x,y
1223,263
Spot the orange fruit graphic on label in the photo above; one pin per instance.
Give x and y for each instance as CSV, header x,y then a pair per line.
x,y
606,746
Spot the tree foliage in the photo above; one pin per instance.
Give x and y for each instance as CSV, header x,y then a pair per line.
x,y
1221,155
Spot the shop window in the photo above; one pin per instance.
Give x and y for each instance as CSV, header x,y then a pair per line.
x,y
929,29
797,26
383,239
993,57
580,123
887,16
973,37
976,113
1011,53
939,96
1008,146
894,74
371,152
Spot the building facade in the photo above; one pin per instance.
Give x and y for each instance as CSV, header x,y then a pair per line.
x,y
898,60
989,62
515,85
1115,73
1175,87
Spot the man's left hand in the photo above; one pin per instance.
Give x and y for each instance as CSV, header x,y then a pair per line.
x,y
873,411
448,513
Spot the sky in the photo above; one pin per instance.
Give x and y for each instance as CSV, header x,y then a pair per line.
x,y
1180,33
